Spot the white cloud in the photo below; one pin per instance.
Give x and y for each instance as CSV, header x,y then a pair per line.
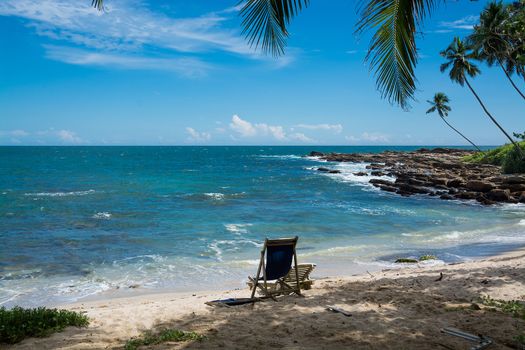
x,y
368,137
19,133
185,66
49,136
301,137
130,29
68,136
467,23
243,127
247,129
337,128
195,136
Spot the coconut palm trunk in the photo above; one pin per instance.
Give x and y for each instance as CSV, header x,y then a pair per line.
x,y
510,79
518,148
456,130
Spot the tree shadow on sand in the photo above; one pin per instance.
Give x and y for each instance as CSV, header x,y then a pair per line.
x,y
402,313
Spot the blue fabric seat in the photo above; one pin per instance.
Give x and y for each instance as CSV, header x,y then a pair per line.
x,y
278,256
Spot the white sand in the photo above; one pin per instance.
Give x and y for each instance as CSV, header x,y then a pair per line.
x,y
394,309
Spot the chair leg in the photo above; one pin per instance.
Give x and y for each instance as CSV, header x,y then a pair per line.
x,y
256,283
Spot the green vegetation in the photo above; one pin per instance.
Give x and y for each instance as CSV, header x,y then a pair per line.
x,y
514,307
505,156
18,323
406,261
427,257
392,52
440,104
165,335
459,56
414,261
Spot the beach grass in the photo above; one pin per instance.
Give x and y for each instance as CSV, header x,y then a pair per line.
x,y
19,323
427,257
165,335
504,156
514,307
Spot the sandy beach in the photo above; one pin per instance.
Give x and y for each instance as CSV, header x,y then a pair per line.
x,y
392,309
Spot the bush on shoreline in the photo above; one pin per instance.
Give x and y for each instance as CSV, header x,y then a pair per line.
x,y
165,335
505,156
18,323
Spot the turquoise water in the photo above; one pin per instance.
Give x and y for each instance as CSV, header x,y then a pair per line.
x,y
87,221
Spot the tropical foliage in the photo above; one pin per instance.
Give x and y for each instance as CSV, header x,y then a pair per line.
x,y
459,63
440,104
392,53
504,156
496,40
519,136
18,323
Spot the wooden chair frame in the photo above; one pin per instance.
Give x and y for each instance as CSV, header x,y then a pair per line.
x,y
285,287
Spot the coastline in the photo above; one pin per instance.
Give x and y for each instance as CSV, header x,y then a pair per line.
x,y
405,306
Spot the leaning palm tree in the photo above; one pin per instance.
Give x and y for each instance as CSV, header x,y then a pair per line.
x,y
490,42
459,57
440,105
392,53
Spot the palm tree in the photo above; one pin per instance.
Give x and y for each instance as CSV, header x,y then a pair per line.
x,y
392,53
458,57
440,104
489,42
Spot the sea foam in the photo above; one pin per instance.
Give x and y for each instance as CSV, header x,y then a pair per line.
x,y
60,194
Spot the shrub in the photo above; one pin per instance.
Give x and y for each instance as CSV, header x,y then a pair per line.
x,y
506,156
513,163
427,257
165,335
19,323
406,261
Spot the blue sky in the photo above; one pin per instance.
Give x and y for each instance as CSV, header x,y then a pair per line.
x,y
166,72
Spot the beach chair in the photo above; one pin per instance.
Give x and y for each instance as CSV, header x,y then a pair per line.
x,y
304,271
275,264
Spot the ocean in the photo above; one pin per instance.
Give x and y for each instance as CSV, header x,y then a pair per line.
x,y
88,222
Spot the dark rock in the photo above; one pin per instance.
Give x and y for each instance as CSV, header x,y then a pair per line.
x,y
413,189
498,195
439,181
479,186
375,166
361,173
484,200
521,198
466,195
316,154
457,182
387,188
513,179
377,173
446,197
513,187
381,182
335,171
325,170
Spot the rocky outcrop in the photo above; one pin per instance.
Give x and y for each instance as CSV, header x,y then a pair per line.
x,y
436,172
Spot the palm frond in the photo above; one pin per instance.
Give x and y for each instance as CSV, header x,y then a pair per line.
x,y
392,53
265,22
432,109
98,4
